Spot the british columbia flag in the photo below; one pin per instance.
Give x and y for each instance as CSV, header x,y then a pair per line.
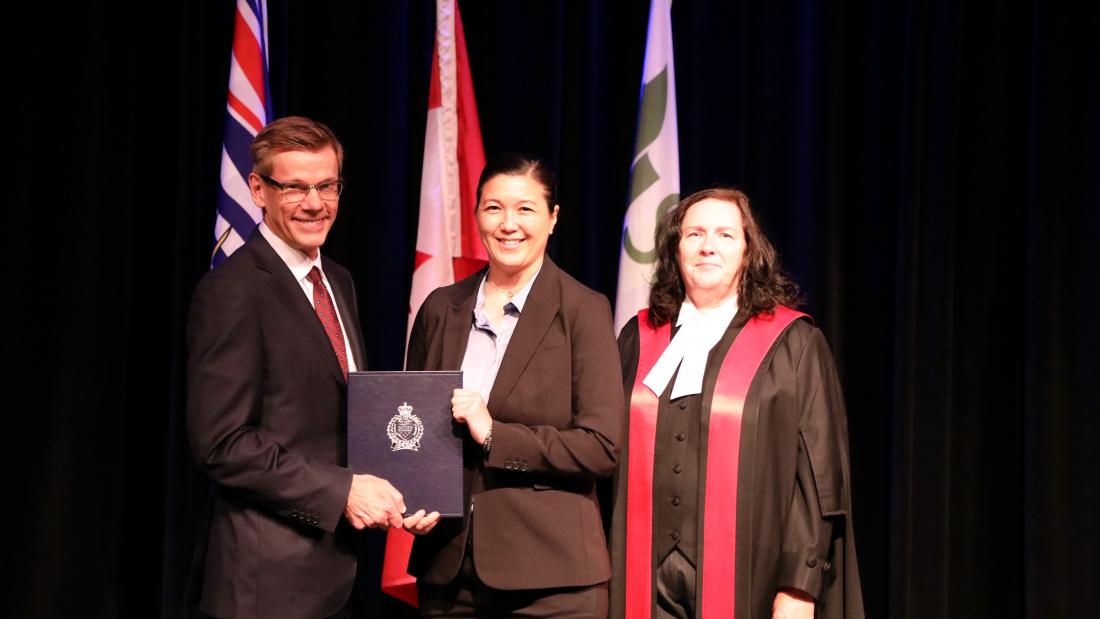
x,y
247,111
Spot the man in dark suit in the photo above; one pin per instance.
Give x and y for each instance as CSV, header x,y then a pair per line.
x,y
273,331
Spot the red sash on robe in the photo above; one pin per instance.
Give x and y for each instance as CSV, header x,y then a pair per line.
x,y
723,443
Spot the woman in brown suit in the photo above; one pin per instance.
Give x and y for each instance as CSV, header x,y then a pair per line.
x,y
545,420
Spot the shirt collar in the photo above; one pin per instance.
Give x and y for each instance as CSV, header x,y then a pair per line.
x,y
519,299
295,259
716,318
514,306
685,357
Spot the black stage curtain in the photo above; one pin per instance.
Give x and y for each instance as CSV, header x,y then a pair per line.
x,y
928,170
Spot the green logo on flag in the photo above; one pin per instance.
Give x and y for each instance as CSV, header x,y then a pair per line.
x,y
644,175
647,257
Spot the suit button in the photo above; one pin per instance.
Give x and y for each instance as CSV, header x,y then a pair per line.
x,y
674,534
811,562
675,501
683,405
681,436
523,467
677,468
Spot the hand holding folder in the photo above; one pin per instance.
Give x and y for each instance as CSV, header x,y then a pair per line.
x,y
400,429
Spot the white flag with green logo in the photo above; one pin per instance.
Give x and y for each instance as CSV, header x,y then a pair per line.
x,y
655,174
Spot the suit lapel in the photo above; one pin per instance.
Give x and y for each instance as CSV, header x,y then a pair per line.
x,y
535,319
289,291
456,327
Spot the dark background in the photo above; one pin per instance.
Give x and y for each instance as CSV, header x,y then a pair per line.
x,y
928,171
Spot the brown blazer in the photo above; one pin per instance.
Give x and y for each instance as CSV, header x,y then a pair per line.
x,y
266,402
557,408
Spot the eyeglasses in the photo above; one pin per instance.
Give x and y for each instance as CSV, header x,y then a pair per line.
x,y
294,193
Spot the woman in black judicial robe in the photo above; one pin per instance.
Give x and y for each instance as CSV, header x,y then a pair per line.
x,y
795,553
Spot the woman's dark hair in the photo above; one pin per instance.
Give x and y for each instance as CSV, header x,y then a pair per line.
x,y
761,286
517,164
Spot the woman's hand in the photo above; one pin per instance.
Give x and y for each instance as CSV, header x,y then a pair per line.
x,y
467,407
419,524
791,604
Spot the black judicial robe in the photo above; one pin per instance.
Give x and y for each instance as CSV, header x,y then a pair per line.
x,y
794,525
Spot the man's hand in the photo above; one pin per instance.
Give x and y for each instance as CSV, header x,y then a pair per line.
x,y
467,407
373,503
791,604
419,524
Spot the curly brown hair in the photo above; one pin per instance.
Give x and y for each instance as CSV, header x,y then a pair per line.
x,y
761,283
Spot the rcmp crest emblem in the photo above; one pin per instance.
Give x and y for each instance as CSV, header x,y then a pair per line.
x,y
405,429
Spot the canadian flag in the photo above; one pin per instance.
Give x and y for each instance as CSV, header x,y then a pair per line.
x,y
447,243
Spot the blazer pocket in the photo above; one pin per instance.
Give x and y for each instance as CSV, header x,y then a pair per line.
x,y
565,484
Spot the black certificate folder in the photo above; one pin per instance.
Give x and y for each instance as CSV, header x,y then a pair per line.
x,y
400,429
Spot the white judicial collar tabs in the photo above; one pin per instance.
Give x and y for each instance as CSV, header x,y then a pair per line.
x,y
688,350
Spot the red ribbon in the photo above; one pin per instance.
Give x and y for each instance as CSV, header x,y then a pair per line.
x,y
395,580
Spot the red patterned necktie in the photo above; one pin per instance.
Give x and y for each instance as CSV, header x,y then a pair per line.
x,y
326,312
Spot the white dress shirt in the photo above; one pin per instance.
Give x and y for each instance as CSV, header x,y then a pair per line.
x,y
486,345
300,265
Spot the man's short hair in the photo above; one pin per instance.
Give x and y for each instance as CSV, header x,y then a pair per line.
x,y
292,133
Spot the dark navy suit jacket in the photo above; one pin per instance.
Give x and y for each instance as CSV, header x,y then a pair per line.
x,y
267,422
